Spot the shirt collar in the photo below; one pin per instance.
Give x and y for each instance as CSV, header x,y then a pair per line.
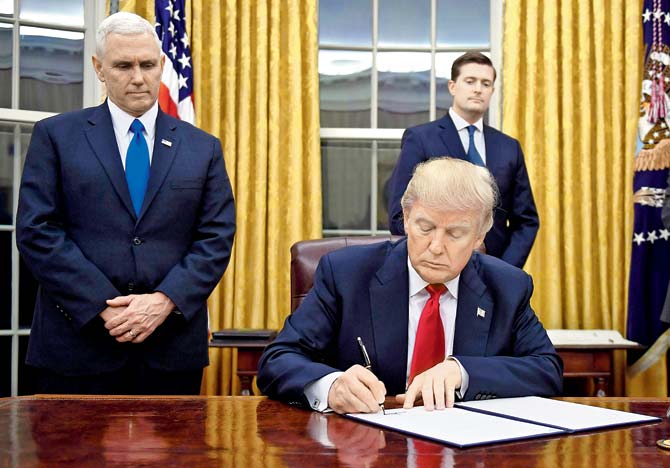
x,y
418,284
121,120
460,123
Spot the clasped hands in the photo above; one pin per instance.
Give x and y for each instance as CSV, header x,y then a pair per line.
x,y
358,390
135,317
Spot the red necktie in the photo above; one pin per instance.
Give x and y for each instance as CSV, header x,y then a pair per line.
x,y
427,454
429,341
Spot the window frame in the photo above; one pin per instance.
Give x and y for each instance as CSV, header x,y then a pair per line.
x,y
94,13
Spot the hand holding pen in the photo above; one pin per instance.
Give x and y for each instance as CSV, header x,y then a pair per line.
x,y
357,390
368,364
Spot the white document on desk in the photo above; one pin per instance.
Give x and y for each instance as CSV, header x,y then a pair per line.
x,y
565,415
455,426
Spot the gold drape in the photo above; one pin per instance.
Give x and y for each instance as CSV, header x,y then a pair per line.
x,y
144,8
571,77
256,88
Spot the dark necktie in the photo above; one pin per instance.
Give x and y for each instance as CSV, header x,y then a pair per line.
x,y
473,154
429,346
137,165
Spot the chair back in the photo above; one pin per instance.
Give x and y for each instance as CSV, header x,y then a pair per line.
x,y
305,256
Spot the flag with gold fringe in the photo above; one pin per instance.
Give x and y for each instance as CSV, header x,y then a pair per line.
x,y
650,261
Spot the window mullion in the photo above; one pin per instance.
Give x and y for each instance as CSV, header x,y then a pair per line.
x,y
15,57
374,75
14,323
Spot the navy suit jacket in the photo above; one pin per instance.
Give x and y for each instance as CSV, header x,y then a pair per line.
x,y
364,291
665,217
79,235
515,221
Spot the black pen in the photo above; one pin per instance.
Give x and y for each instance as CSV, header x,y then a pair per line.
x,y
368,364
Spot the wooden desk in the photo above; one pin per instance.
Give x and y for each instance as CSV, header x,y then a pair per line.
x,y
256,432
580,362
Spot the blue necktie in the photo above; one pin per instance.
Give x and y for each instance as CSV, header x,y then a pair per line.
x,y
137,165
473,154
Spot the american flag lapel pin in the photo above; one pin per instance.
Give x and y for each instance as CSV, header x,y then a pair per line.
x,y
481,312
167,143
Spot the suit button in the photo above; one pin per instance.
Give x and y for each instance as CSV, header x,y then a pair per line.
x,y
137,240
131,286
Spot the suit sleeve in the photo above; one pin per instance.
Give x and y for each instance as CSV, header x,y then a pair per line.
x,y
523,219
532,368
411,154
298,355
190,282
77,286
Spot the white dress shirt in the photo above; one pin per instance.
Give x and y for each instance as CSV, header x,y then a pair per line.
x,y
317,391
462,126
121,122
418,296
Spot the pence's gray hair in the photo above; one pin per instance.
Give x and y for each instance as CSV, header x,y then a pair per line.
x,y
450,184
125,24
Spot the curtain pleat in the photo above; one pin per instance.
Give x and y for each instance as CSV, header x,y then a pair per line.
x,y
571,77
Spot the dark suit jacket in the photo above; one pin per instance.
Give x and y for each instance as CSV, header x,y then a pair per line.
x,y
79,235
504,159
364,291
665,210
665,217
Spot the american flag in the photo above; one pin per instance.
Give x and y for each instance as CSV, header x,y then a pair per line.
x,y
176,91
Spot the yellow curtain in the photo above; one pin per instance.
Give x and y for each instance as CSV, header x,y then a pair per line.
x,y
144,8
571,77
256,88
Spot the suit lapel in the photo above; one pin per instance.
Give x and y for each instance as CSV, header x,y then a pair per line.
x,y
474,312
162,158
100,135
389,303
450,138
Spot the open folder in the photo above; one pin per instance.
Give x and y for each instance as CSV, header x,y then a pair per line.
x,y
501,420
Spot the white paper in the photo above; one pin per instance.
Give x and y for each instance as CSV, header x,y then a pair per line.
x,y
561,337
455,426
564,414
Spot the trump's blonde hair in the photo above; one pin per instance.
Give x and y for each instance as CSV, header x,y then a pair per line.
x,y
450,184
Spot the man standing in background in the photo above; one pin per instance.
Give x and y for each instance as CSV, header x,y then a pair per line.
x,y
462,134
126,218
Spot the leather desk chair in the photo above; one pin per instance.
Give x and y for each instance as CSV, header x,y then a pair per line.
x,y
305,256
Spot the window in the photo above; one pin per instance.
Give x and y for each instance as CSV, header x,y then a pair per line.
x,y
45,49
384,65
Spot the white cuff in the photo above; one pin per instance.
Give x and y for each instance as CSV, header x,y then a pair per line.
x,y
317,391
465,378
